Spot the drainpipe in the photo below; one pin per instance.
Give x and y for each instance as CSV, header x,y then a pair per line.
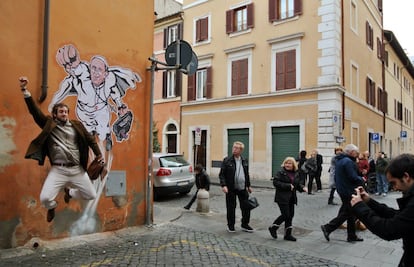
x,y
45,51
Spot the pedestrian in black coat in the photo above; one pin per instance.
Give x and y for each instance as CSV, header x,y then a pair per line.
x,y
286,182
202,181
386,222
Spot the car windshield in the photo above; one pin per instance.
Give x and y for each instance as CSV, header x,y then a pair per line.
x,y
173,161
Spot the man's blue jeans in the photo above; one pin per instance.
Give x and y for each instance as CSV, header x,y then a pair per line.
x,y
382,183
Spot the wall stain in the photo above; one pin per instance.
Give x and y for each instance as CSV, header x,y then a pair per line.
x,y
7,233
7,146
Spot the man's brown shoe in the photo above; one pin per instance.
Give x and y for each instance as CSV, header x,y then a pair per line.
x,y
50,215
67,197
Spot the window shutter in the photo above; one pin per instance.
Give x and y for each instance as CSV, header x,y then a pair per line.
x,y
178,82
385,102
379,96
244,76
380,5
164,84
386,58
272,10
290,69
229,21
371,37
379,48
180,31
165,38
367,32
373,102
367,88
280,71
204,29
298,7
198,30
234,77
191,81
250,16
209,85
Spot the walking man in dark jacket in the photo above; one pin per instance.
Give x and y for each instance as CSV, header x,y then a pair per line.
x,y
346,180
235,181
386,222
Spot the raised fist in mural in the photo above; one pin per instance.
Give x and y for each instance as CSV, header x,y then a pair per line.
x,y
23,83
68,57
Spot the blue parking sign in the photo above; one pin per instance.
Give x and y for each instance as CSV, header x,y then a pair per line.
x,y
375,137
403,134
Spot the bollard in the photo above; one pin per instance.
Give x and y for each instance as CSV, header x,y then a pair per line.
x,y
203,201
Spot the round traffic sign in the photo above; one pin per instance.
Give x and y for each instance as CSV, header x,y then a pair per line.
x,y
186,54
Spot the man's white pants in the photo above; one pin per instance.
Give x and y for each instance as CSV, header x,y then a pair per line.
x,y
60,177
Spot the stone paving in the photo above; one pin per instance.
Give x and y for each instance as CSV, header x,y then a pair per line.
x,y
168,245
187,238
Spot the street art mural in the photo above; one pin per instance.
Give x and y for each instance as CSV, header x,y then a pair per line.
x,y
100,90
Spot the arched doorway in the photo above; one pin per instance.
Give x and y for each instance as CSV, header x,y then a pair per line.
x,y
170,144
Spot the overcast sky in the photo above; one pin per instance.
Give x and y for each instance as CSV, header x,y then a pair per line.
x,y
398,18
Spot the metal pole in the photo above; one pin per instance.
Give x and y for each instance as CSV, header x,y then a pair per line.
x,y
148,218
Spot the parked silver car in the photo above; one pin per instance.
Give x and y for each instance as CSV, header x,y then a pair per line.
x,y
172,174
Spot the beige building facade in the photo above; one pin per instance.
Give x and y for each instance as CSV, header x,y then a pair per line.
x,y
399,81
284,76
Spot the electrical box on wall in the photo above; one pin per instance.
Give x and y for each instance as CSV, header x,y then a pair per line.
x,y
116,184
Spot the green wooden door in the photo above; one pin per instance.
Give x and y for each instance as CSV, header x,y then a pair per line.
x,y
241,135
285,143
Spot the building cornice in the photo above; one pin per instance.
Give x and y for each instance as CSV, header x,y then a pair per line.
x,y
294,36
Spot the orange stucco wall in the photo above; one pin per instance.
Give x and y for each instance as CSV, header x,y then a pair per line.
x,y
121,32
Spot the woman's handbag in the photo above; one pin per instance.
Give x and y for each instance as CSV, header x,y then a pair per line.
x,y
250,203
96,169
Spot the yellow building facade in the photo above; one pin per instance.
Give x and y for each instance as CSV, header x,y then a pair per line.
x,y
282,76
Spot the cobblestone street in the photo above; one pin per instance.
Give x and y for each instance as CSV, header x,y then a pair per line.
x,y
187,238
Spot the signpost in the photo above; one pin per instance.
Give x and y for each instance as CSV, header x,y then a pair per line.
x,y
403,135
178,56
197,142
375,138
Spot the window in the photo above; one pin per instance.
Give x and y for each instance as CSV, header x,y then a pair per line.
x,y
200,85
239,77
380,5
354,16
370,92
172,33
380,48
354,79
171,84
398,110
239,71
283,9
369,35
286,70
285,65
382,100
202,30
406,115
239,19
170,140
